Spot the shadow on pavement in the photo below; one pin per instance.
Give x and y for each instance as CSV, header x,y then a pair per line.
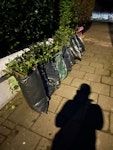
x,y
78,120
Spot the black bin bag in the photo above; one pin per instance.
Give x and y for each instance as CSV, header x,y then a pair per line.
x,y
34,92
48,85
52,74
50,77
79,42
74,49
68,58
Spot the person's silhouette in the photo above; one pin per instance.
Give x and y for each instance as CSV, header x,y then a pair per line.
x,y
78,120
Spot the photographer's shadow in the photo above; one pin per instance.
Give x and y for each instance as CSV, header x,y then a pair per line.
x,y
78,120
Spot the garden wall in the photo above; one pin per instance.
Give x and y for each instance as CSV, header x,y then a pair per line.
x,y
6,93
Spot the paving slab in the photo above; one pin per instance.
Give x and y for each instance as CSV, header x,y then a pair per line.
x,y
108,66
9,124
92,77
106,102
77,82
104,141
76,66
44,144
28,116
103,72
54,103
97,65
112,74
12,105
4,130
106,116
66,91
21,139
45,125
107,80
68,80
111,122
1,120
77,74
64,100
83,62
94,97
111,91
2,138
100,88
88,69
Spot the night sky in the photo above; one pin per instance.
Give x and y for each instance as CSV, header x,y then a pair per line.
x,y
104,5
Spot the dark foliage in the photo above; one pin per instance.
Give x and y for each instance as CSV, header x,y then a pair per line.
x,y
23,22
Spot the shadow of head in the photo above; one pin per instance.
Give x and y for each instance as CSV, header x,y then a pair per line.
x,y
83,92
84,89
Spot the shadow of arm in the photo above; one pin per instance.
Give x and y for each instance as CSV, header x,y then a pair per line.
x,y
97,117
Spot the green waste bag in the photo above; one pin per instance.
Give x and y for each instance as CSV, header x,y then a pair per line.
x,y
60,65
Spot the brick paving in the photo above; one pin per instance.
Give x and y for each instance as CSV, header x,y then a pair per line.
x,y
24,129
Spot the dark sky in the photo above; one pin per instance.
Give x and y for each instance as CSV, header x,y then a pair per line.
x,y
104,5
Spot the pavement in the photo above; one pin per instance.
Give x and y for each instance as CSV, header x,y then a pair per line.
x,y
21,128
